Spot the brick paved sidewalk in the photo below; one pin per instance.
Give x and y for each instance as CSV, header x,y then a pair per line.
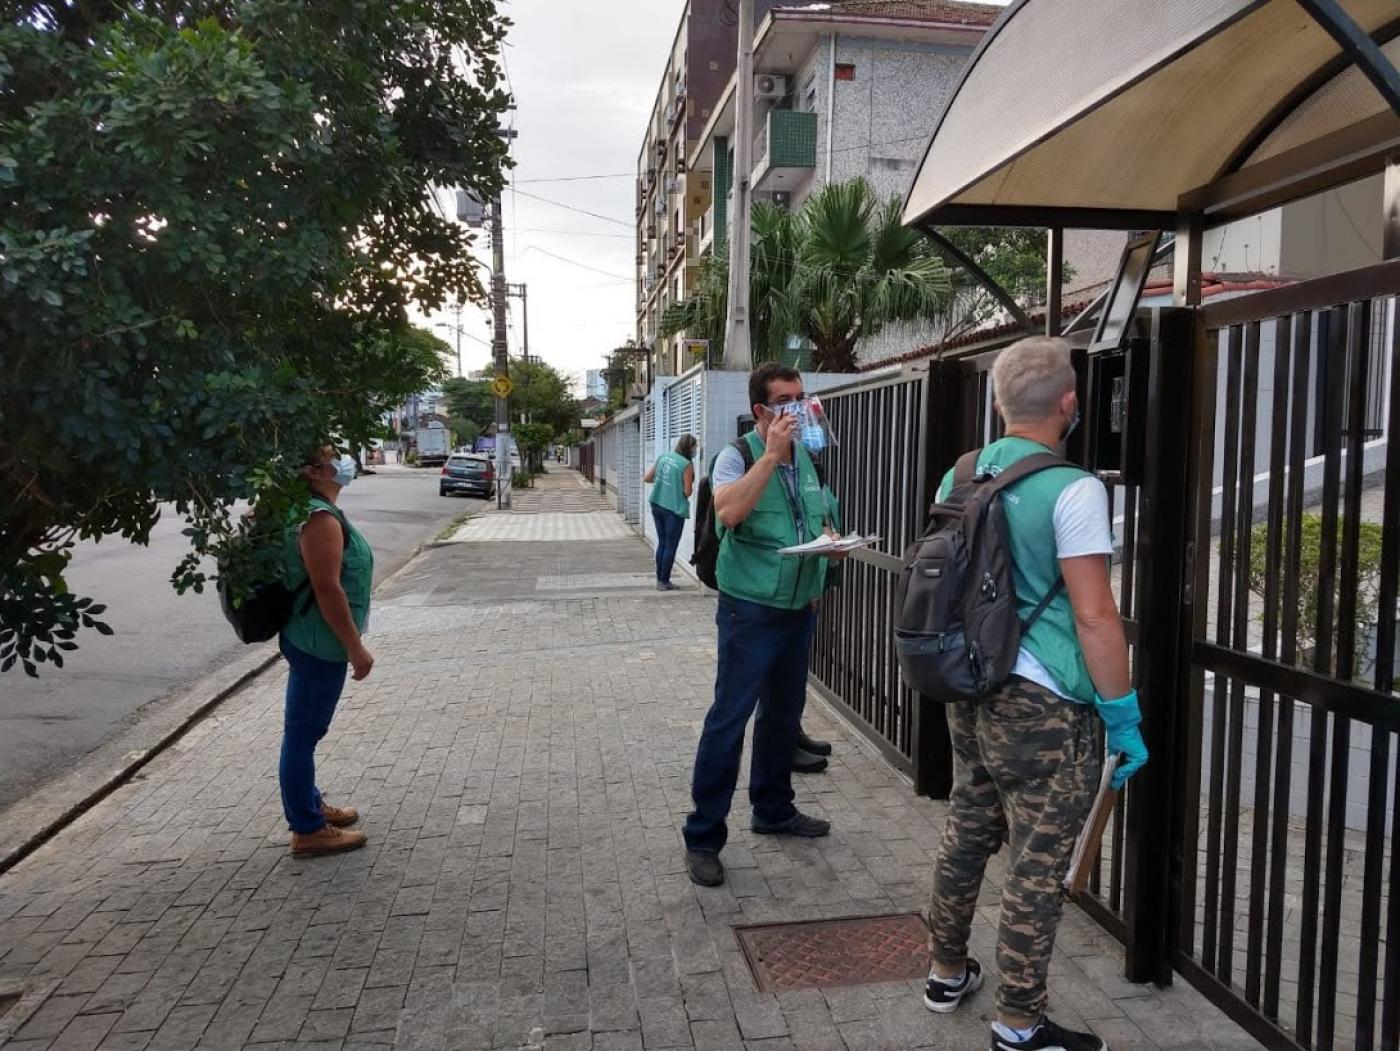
x,y
521,755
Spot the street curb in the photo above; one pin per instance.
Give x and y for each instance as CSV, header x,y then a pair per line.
x,y
14,855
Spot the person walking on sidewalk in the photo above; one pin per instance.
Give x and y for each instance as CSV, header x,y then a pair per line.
x,y
765,618
672,478
331,561
1027,765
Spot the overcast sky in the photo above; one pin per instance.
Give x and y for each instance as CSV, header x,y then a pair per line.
x,y
584,77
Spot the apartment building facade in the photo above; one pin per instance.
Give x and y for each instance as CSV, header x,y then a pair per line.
x,y
670,197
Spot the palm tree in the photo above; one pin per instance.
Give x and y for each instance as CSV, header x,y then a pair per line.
x,y
835,272
859,269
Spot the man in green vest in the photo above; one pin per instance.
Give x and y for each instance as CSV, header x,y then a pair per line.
x,y
1027,759
767,610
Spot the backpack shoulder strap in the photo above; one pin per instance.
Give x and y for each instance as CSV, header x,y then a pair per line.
x,y
1025,467
745,451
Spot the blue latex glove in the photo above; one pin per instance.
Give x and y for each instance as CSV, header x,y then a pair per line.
x,y
1121,719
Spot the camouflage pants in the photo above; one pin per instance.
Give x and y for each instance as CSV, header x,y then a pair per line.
x,y
1027,765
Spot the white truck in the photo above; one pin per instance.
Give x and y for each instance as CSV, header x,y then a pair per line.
x,y
434,444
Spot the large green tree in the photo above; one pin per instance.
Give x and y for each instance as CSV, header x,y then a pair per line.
x,y
214,219
1014,257
542,395
834,272
470,400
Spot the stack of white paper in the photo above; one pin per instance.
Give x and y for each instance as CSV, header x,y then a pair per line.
x,y
825,545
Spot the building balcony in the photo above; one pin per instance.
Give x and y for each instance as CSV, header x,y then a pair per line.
x,y
785,151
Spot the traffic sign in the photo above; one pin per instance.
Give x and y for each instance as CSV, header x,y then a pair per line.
x,y
501,386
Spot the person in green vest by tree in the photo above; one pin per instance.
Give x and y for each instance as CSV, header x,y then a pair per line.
x,y
672,478
328,560
766,615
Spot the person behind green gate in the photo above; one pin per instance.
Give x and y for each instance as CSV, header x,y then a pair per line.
x,y
1026,759
329,567
672,478
765,620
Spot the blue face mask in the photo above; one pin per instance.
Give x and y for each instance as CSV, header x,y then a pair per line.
x,y
344,470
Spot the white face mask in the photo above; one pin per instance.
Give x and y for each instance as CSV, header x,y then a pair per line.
x,y
344,470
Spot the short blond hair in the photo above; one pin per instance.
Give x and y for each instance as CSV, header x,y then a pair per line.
x,y
1031,376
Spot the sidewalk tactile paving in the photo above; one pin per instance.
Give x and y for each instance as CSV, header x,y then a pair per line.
x,y
554,527
595,581
820,954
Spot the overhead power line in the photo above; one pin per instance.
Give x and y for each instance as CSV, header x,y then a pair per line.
x,y
573,233
578,178
574,262
573,208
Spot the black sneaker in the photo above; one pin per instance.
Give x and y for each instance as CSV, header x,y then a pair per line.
x,y
1050,1037
797,825
812,744
804,762
705,868
943,998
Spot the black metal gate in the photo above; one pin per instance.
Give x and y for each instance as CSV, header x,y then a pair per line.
x,y
1258,572
880,477
1287,895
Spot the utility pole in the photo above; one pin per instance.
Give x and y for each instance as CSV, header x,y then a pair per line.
x,y
457,324
738,352
500,352
520,292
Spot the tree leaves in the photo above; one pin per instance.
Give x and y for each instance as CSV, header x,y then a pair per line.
x,y
212,232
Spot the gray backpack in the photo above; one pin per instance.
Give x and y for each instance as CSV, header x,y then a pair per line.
x,y
957,634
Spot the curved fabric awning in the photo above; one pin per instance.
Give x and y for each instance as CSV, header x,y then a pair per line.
x,y
1106,113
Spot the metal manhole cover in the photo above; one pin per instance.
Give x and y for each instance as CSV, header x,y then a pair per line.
x,y
826,953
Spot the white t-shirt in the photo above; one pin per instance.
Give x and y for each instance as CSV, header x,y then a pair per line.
x,y
1082,527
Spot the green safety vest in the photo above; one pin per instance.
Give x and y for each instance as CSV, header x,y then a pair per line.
x,y
307,630
749,566
668,488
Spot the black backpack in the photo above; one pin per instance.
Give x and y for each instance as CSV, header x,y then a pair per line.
x,y
957,633
705,556
260,614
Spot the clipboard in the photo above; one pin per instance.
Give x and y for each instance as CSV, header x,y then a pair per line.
x,y
1086,847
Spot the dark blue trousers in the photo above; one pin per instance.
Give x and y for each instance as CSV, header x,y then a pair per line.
x,y
763,665
313,691
669,527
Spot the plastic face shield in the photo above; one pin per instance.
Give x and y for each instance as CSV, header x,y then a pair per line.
x,y
813,428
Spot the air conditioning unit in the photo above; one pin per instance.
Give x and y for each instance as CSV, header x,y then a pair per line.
x,y
674,185
769,86
680,89
671,113
660,206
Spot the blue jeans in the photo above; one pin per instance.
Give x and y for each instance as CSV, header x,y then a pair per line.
x,y
313,691
669,527
762,664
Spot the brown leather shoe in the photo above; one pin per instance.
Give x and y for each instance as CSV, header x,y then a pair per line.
x,y
340,816
326,840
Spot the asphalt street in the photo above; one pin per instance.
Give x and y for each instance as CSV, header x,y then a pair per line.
x,y
165,642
